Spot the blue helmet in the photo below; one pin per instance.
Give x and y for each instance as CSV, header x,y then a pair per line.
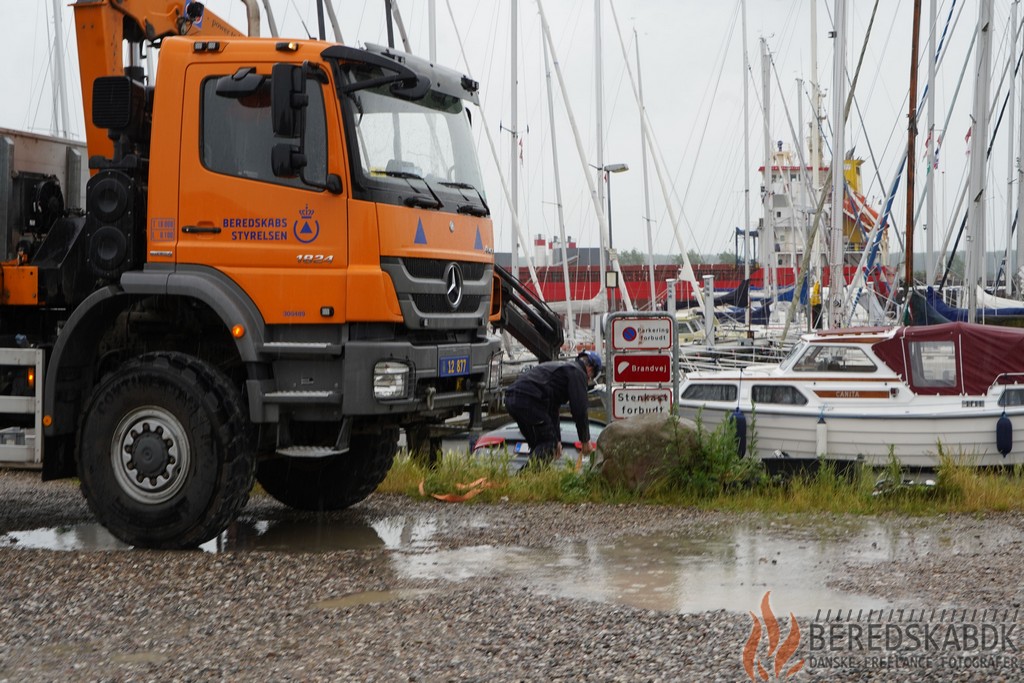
x,y
591,358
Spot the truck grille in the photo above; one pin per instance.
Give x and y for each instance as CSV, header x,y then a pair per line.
x,y
433,269
421,290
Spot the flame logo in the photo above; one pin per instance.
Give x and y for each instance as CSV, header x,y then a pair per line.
x,y
752,664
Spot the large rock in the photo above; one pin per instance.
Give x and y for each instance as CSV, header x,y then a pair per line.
x,y
636,452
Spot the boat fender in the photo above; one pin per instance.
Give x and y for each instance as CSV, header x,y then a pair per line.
x,y
821,436
1004,435
740,420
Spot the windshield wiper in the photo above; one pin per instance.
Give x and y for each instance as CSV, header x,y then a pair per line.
x,y
470,209
473,210
422,201
418,200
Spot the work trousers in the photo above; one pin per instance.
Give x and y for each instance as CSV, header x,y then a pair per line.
x,y
536,424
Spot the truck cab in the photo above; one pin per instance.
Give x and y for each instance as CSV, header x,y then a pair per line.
x,y
285,256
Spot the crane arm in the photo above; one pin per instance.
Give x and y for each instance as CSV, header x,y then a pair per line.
x,y
102,26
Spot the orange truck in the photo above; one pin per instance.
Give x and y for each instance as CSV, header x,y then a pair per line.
x,y
285,256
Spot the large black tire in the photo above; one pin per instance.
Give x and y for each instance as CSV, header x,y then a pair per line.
x,y
332,483
165,452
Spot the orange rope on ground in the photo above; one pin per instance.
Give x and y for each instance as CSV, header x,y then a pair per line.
x,y
474,489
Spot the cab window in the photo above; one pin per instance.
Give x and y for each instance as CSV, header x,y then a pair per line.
x,y
237,136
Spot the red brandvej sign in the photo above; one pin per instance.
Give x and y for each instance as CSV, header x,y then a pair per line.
x,y
642,367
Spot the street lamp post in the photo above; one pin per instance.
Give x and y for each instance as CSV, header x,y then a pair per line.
x,y
608,170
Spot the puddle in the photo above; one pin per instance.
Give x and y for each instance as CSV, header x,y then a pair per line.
x,y
731,572
730,568
264,535
727,567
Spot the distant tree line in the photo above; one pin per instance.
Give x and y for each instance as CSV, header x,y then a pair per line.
x,y
634,257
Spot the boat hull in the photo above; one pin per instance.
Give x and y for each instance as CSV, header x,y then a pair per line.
x,y
917,442
923,395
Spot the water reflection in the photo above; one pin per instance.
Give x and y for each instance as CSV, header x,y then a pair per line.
x,y
728,570
264,535
725,566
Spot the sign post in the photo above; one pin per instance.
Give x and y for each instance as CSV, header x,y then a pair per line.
x,y
642,358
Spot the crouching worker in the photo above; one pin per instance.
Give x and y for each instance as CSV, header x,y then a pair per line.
x,y
535,397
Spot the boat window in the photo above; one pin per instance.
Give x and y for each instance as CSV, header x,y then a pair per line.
x,y
794,355
780,394
834,359
710,392
1012,397
933,363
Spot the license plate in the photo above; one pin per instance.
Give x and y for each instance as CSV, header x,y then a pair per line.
x,y
453,366
522,447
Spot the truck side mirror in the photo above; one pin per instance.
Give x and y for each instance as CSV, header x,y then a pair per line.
x,y
288,99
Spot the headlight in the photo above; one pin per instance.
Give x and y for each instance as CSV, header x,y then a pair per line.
x,y
390,380
494,371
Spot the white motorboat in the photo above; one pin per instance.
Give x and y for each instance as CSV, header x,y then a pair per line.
x,y
862,394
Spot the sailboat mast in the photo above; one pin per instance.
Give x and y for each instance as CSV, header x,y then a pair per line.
x,y
1020,178
977,181
836,256
767,201
647,192
599,127
570,322
1011,257
815,135
514,132
746,164
929,191
60,91
915,39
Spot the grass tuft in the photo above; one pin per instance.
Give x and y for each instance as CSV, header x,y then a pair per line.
x,y
713,476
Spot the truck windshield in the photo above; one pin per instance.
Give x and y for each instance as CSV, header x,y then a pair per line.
x,y
428,139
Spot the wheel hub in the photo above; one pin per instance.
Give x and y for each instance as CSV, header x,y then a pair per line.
x,y
150,454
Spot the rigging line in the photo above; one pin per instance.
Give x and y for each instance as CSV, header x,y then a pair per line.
x,y
825,190
48,75
720,58
991,144
659,164
945,127
988,153
494,153
875,164
707,119
789,26
885,218
616,99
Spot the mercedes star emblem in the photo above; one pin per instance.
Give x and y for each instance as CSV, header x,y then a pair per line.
x,y
453,285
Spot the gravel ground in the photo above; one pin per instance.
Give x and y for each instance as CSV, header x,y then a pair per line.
x,y
244,615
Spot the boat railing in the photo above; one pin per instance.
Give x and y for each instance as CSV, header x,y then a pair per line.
x,y
1010,378
697,358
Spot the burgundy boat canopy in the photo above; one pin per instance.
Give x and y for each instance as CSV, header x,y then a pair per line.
x,y
955,358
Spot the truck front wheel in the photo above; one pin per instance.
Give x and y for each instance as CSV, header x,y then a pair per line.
x,y
164,452
332,483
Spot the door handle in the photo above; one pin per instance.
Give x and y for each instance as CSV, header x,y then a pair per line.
x,y
201,229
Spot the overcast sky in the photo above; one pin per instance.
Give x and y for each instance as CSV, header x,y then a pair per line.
x,y
692,71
